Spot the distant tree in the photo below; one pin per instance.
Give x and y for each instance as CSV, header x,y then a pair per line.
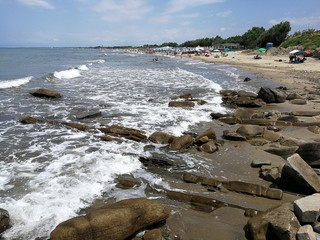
x,y
249,39
276,34
170,44
234,39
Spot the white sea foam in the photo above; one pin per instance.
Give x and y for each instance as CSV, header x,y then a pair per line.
x,y
67,74
15,82
83,67
70,179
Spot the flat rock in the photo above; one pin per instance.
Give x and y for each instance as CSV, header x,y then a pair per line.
x,y
307,209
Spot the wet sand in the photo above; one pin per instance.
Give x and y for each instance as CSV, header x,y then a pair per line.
x,y
233,160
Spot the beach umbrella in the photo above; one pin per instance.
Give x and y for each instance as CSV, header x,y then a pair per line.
x,y
207,51
299,53
226,49
294,51
262,50
216,50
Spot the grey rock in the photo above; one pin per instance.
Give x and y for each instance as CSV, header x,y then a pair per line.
x,y
307,209
306,233
310,152
275,223
298,176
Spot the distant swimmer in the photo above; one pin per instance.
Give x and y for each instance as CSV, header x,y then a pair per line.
x,y
155,59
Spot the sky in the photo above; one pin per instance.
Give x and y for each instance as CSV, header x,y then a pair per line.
x,y
84,23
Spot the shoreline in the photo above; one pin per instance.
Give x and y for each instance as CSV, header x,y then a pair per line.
x,y
233,159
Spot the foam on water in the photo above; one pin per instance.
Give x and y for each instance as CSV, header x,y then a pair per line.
x,y
15,82
83,67
67,74
56,188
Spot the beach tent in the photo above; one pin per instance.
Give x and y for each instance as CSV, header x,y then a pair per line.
x,y
226,49
262,50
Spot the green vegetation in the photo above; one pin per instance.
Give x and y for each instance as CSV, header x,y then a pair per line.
x,y
277,34
308,39
258,37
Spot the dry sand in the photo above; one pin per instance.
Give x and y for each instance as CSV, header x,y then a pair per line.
x,y
276,68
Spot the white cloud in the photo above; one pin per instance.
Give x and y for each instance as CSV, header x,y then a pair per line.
x,y
222,29
224,14
180,5
121,10
310,21
37,3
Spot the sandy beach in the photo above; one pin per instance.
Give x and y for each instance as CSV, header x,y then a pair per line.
x,y
276,68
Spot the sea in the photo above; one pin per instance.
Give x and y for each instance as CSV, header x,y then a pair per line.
x,y
48,173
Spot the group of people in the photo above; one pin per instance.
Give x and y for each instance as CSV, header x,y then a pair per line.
x,y
296,59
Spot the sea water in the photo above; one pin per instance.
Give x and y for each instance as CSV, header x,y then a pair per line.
x,y
48,173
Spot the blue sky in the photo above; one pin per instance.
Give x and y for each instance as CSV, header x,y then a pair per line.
x,y
66,23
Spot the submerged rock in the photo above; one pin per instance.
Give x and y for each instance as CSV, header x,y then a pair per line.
x,y
46,93
4,220
116,221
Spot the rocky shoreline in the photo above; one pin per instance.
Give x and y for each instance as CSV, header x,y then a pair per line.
x,y
259,178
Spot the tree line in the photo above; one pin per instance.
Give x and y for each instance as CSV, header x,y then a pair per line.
x,y
253,38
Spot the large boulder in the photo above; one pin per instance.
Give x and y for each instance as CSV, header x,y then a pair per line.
x,y
4,220
298,176
181,143
46,93
161,138
116,221
271,95
310,152
278,223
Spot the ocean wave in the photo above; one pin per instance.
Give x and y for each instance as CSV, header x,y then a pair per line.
x,y
83,67
67,74
15,82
